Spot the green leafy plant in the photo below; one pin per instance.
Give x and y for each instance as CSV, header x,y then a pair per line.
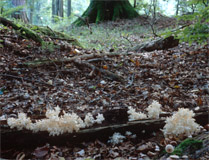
x,y
49,46
197,31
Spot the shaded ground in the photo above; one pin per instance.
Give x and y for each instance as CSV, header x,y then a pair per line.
x,y
176,78
120,35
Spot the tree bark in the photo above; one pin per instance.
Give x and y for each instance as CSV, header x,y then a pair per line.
x,y
102,10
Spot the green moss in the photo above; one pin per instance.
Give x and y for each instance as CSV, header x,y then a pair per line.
x,y
100,12
46,31
188,143
117,11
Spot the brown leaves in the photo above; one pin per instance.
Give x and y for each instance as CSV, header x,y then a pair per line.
x,y
41,152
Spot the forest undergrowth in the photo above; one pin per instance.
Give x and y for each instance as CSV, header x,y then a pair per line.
x,y
120,35
106,77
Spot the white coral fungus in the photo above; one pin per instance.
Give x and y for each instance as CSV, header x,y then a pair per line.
x,y
133,115
154,110
181,123
53,123
21,122
116,138
89,119
99,118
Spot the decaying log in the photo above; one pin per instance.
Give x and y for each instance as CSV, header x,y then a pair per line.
x,y
34,32
26,31
24,138
46,62
158,44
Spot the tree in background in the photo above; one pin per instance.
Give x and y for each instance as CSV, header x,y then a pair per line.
x,y
57,9
101,10
69,8
22,13
31,7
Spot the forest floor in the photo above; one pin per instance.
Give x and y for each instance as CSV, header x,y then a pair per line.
x,y
177,78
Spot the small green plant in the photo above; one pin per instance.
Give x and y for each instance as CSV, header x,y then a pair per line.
x,y
187,143
50,47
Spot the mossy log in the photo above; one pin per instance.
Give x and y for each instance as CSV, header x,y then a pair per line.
x,y
47,31
25,31
103,10
36,32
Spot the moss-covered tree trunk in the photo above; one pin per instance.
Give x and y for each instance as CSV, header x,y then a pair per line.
x,y
102,10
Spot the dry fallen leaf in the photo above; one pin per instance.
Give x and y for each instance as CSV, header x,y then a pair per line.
x,y
40,152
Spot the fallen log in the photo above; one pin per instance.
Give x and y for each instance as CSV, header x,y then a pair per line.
x,y
78,63
25,31
12,138
158,44
35,33
47,62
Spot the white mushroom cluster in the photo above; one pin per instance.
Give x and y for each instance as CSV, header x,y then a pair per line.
x,y
181,123
53,123
154,111
133,115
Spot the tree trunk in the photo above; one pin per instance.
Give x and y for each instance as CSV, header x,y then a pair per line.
x,y
69,8
37,17
57,9
102,10
20,14
31,10
135,4
177,7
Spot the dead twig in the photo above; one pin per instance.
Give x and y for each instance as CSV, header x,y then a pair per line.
x,y
108,74
24,79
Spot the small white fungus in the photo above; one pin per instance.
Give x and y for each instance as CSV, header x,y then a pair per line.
x,y
169,148
21,122
116,138
154,110
133,115
128,133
